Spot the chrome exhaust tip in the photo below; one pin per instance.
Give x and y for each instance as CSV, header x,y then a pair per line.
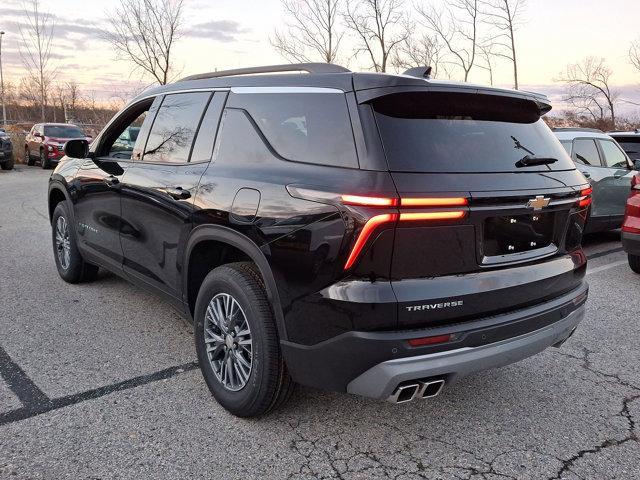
x,y
404,393
430,388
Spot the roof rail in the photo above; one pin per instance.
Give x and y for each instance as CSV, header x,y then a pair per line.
x,y
420,72
291,67
576,129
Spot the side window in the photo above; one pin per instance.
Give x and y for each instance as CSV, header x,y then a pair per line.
x,y
567,144
585,152
127,132
174,127
303,127
239,142
613,156
205,139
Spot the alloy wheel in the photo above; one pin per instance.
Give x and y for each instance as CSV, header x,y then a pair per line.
x,y
228,341
63,244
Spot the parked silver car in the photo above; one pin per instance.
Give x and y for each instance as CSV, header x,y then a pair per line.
x,y
608,169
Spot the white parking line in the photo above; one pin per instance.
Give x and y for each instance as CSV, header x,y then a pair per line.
x,y
606,267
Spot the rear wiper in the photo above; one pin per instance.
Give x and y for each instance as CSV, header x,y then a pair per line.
x,y
531,160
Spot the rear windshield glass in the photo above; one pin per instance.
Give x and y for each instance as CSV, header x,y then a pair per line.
x,y
631,145
445,132
62,131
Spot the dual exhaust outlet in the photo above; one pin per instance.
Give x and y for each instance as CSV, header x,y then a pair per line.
x,y
408,391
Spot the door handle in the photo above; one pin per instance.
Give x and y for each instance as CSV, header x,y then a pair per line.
x,y
586,174
111,181
178,193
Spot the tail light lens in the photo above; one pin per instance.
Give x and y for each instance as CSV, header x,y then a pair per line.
x,y
631,222
365,233
374,222
585,197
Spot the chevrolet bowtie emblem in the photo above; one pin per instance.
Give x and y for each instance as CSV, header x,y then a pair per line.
x,y
538,203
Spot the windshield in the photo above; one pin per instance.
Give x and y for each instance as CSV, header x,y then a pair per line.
x,y
631,145
452,132
62,131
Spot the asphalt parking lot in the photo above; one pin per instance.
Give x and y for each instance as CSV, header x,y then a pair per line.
x,y
99,382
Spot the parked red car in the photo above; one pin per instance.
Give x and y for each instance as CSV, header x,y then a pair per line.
x,y
631,225
45,142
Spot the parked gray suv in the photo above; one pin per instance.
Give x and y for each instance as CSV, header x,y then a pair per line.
x,y
608,169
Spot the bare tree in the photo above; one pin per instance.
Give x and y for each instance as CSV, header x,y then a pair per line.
x,y
72,94
634,54
505,16
144,32
457,28
35,50
488,55
311,31
380,26
420,51
589,89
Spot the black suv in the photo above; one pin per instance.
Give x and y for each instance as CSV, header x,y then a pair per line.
x,y
367,233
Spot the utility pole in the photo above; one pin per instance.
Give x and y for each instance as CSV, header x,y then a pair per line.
x,y
4,112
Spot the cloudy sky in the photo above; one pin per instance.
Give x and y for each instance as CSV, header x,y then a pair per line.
x,y
234,33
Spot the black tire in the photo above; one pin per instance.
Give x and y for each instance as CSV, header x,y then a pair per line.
x,y
27,157
634,263
268,385
44,161
7,164
76,270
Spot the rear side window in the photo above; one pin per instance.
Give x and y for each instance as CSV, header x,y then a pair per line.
x,y
631,145
455,132
303,127
567,144
613,156
203,146
174,127
585,152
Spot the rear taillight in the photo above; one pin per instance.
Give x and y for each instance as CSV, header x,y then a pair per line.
x,y
403,216
365,233
585,197
631,223
368,201
434,202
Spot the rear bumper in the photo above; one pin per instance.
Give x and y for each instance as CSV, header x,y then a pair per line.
x,y
631,242
373,363
381,380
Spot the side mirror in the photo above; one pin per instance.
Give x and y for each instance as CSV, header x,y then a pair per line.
x,y
76,148
636,164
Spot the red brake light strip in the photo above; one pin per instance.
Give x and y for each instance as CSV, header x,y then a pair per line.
x,y
585,197
434,202
366,232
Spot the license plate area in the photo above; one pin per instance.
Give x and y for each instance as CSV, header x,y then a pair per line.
x,y
517,234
